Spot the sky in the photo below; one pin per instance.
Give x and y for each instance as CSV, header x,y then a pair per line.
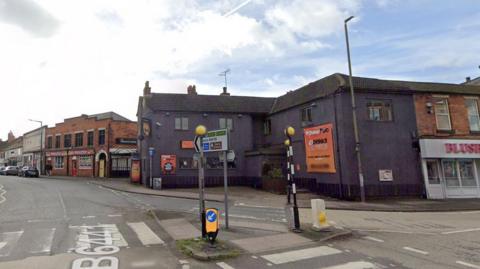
x,y
64,58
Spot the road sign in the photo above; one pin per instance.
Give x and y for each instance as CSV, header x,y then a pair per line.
x,y
151,151
197,144
216,140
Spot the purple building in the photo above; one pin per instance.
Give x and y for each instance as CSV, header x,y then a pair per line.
x,y
387,130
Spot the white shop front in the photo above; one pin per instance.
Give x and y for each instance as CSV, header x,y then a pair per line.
x,y
451,168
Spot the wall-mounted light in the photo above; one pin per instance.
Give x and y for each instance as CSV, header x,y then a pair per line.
x,y
239,115
429,107
313,104
167,113
205,114
158,124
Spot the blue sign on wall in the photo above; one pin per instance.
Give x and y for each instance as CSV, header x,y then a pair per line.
x,y
151,151
206,146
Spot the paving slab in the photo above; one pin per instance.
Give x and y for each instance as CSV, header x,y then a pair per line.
x,y
179,228
271,242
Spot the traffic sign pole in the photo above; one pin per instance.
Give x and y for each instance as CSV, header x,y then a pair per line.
x,y
201,186
225,183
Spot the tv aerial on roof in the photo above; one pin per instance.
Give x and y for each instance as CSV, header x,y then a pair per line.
x,y
224,74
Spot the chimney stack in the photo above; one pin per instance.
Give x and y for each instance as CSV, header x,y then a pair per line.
x,y
468,79
225,93
11,137
192,90
147,90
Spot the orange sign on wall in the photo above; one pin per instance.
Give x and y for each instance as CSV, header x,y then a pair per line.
x,y
168,163
319,149
187,144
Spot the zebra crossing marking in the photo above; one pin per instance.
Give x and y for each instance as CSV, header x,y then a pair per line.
x,y
145,234
9,240
301,254
42,240
354,265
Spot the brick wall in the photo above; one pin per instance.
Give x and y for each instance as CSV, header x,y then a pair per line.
x,y
426,123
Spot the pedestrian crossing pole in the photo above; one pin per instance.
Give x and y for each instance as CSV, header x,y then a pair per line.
x,y
200,131
290,132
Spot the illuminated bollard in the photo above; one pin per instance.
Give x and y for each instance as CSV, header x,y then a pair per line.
x,y
319,214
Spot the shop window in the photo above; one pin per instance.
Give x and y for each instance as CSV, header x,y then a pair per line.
x,y
432,172
379,110
49,142
267,127
101,137
85,162
450,173
467,175
473,117
306,115
187,163
181,123
57,141
216,163
79,140
225,123
58,162
442,115
67,140
90,138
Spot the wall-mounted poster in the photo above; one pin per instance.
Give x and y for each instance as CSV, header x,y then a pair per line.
x,y
385,175
146,127
168,164
319,149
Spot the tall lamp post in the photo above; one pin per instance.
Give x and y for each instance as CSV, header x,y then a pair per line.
x,y
41,143
354,114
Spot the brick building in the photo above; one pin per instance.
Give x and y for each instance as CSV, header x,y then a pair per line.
x,y
416,138
98,145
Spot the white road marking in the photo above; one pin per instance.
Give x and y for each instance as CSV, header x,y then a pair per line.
x,y
88,217
102,234
462,231
183,261
42,240
2,244
2,194
113,216
185,266
9,241
145,234
63,204
140,264
354,265
468,264
224,265
301,254
269,264
415,250
373,239
255,257
392,231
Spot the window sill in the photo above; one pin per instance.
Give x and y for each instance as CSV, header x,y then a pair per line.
x,y
475,132
380,121
446,131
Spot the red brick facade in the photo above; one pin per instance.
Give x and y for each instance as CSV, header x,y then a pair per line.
x,y
82,159
426,121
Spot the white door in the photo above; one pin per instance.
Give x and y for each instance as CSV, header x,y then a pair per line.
x,y
433,179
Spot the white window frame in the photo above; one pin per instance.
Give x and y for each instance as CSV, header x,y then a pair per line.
x,y
56,164
442,114
183,123
225,123
475,102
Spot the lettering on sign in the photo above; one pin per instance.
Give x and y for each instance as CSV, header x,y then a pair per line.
x,y
462,148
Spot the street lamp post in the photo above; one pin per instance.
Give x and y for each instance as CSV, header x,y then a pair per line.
x,y
41,143
354,116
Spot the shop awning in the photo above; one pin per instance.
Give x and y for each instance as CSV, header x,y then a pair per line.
x,y
123,150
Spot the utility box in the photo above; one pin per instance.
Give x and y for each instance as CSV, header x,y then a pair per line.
x,y
319,214
157,183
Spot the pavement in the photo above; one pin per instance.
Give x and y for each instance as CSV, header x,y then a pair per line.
x,y
253,197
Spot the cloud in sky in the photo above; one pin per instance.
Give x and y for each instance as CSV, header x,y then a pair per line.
x,y
65,58
29,16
